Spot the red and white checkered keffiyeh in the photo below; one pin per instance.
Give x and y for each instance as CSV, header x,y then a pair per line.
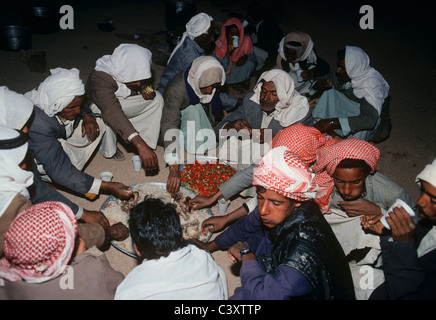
x,y
39,243
328,158
301,140
284,172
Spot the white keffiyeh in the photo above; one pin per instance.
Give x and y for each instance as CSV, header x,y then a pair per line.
x,y
128,63
367,82
306,45
428,174
205,71
196,26
57,91
292,106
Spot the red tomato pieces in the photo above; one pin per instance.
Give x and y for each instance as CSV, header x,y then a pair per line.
x,y
205,178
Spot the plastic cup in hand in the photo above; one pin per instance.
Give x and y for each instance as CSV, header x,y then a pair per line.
x,y
222,205
235,42
137,163
398,202
106,176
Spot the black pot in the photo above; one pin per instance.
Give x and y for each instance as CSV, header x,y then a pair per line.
x,y
41,19
15,38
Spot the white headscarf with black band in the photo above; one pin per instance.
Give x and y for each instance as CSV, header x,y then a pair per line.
x,y
13,179
128,63
57,91
15,109
304,50
291,106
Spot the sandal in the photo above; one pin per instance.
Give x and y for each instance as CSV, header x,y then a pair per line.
x,y
118,156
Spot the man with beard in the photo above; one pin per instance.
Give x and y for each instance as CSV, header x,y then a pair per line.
x,y
348,188
409,252
273,105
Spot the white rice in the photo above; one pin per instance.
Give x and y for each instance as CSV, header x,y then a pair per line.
x,y
190,227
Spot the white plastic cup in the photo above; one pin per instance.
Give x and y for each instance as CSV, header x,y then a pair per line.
x,y
235,42
137,163
222,205
106,176
396,203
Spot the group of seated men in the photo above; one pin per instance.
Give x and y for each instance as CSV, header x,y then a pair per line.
x,y
317,192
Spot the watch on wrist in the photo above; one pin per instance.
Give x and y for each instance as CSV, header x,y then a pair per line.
x,y
244,251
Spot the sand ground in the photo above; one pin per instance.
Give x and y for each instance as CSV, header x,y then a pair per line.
x,y
400,47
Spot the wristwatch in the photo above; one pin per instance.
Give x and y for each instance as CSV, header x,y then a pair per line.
x,y
244,251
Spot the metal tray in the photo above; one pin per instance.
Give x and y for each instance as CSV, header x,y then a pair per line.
x,y
137,186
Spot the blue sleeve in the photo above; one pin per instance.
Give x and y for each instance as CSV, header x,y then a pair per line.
x,y
171,70
286,283
244,229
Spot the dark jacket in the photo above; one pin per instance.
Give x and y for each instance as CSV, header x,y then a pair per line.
x,y
44,133
407,276
306,243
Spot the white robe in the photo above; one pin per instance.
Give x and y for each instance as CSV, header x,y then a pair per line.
x,y
189,273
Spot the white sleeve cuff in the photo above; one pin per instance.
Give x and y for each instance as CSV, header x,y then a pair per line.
x,y
79,213
132,136
95,188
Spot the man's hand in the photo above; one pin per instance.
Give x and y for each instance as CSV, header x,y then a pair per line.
x,y
147,155
323,85
200,201
306,75
215,223
148,93
234,254
174,179
95,217
241,61
117,189
90,127
372,223
402,225
118,231
360,207
239,125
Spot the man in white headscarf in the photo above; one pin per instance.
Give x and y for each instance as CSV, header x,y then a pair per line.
x,y
185,99
358,106
14,180
120,89
297,56
273,105
64,134
16,112
198,40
